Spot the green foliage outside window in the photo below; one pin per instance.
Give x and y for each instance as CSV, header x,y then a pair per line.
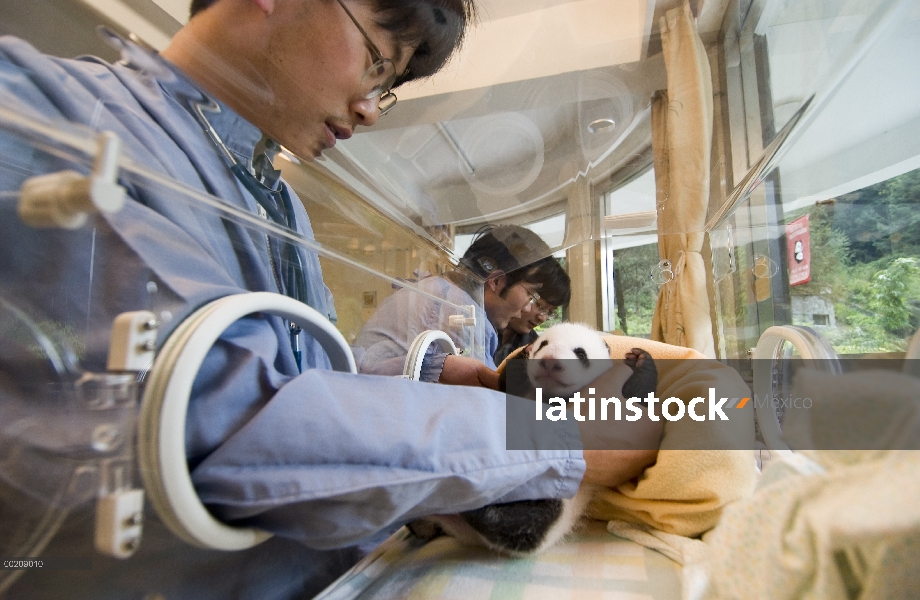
x,y
866,261
635,292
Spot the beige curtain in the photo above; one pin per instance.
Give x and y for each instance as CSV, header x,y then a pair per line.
x,y
681,139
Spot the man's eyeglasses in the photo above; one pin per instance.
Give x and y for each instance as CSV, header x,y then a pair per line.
x,y
534,296
544,310
379,78
540,307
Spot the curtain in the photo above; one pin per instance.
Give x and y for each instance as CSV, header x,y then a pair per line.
x,y
681,140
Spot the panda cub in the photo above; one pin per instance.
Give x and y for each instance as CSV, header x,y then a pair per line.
x,y
565,358
568,356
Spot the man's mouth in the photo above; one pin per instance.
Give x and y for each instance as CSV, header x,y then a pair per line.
x,y
336,132
329,142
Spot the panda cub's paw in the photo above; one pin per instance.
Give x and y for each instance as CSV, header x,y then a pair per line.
x,y
515,528
425,529
644,379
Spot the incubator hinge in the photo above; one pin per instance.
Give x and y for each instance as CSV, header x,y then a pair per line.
x,y
119,518
120,507
133,341
64,199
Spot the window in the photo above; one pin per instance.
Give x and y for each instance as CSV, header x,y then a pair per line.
x,y
849,171
865,254
630,256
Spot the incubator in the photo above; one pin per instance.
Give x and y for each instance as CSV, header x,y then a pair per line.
x,y
802,249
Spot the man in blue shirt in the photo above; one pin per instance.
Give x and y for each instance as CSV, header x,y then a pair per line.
x,y
314,457
513,264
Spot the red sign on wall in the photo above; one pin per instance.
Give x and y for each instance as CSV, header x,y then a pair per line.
x,y
798,245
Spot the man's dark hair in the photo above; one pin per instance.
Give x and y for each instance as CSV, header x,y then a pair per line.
x,y
505,248
198,6
435,27
557,287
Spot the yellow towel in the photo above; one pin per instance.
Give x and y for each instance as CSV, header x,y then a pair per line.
x,y
685,491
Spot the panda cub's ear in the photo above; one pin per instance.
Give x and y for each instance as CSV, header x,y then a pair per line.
x,y
527,352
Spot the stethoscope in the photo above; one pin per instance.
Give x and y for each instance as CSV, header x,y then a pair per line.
x,y
290,272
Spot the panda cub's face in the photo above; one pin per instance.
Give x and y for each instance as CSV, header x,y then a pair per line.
x,y
566,357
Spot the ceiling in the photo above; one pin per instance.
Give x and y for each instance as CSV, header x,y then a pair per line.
x,y
544,95
550,95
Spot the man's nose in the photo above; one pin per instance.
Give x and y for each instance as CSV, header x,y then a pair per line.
x,y
367,110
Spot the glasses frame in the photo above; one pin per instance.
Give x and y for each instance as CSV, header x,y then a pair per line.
x,y
386,99
544,312
534,296
534,301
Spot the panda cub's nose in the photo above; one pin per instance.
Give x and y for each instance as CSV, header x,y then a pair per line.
x,y
551,365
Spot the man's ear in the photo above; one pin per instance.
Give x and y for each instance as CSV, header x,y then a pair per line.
x,y
497,281
266,6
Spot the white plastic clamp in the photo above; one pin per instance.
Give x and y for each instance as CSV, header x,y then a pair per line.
x,y
133,341
119,518
64,199
460,321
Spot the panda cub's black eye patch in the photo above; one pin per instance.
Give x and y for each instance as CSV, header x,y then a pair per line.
x,y
543,344
582,356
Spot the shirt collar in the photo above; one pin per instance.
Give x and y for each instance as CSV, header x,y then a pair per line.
x,y
239,135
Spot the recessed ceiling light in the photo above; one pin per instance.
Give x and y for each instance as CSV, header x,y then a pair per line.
x,y
600,125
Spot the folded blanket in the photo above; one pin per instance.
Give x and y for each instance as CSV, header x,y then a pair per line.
x,y
847,525
690,553
852,532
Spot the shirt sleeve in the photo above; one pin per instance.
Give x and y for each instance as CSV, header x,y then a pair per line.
x,y
400,318
331,458
432,365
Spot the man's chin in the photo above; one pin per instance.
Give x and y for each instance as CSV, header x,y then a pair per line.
x,y
306,154
301,151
